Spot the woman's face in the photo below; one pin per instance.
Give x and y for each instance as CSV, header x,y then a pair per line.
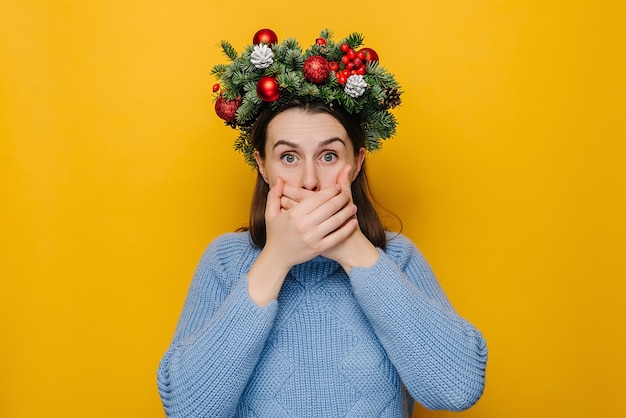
x,y
307,150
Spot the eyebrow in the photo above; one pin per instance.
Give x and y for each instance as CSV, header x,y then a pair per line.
x,y
321,144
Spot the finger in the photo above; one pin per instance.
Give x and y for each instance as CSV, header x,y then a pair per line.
x,y
338,219
321,226
317,199
272,207
331,214
344,231
343,179
296,193
340,234
287,203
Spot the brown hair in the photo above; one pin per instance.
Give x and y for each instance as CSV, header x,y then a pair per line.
x,y
368,218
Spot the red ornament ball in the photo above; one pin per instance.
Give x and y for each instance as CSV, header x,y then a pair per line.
x,y
266,36
227,109
216,87
370,54
267,89
320,41
315,69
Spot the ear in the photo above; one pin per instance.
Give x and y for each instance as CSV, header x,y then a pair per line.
x,y
359,158
261,164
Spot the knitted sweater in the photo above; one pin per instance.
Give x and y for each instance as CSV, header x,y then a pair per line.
x,y
332,345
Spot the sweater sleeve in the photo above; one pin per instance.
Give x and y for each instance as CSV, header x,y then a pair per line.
x,y
441,358
218,341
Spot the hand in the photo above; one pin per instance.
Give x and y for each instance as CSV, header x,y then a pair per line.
x,y
298,232
356,249
293,195
305,229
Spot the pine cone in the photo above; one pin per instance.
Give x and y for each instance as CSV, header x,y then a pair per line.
x,y
393,98
355,86
262,56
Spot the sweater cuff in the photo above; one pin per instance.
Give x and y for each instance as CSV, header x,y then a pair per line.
x,y
246,314
241,321
368,279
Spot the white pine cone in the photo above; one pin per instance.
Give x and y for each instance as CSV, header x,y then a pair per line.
x,y
262,56
355,86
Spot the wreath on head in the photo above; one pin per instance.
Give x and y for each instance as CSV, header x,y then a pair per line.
x,y
271,74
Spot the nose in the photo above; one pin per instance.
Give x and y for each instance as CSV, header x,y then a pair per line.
x,y
310,179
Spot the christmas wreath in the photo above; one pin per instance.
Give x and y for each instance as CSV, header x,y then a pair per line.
x,y
269,73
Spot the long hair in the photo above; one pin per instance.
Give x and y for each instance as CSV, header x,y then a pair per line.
x,y
368,218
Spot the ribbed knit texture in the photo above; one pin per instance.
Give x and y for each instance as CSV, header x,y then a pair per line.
x,y
331,346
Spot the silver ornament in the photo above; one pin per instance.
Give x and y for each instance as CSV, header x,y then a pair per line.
x,y
262,56
355,86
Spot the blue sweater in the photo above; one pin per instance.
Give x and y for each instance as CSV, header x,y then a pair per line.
x,y
332,345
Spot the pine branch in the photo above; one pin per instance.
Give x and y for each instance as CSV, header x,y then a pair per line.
x,y
228,50
218,70
355,40
326,34
309,90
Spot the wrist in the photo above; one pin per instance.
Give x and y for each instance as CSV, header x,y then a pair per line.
x,y
266,277
361,253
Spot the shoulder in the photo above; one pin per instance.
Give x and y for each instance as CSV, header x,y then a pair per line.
x,y
229,245
228,255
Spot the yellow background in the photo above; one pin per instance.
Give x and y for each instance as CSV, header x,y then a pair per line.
x,y
507,171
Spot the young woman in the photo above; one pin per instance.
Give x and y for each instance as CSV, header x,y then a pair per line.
x,y
316,310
